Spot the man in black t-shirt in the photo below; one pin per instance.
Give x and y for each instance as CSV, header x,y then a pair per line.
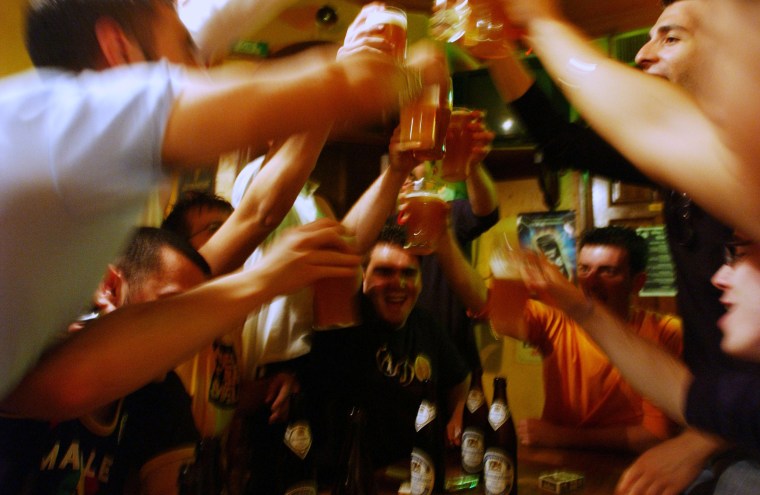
x,y
140,440
381,364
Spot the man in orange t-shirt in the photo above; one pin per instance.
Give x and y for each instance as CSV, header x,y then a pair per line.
x,y
588,404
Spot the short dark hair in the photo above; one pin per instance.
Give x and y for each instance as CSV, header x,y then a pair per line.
x,y
142,257
624,238
391,233
666,3
61,33
177,221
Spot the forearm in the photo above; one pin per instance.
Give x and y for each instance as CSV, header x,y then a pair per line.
x,y
664,380
371,210
227,109
462,277
122,351
510,77
481,191
624,438
265,203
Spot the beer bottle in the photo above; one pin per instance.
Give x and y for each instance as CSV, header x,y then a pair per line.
x,y
500,459
297,468
355,473
474,425
428,470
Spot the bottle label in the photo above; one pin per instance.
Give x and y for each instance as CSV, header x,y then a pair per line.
x,y
473,448
475,399
498,415
498,472
425,414
298,438
423,473
305,488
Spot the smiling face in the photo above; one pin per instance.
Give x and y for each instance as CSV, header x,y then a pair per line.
x,y
392,282
739,280
671,52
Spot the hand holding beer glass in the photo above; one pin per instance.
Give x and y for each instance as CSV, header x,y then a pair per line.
x,y
508,293
424,212
467,141
480,26
378,27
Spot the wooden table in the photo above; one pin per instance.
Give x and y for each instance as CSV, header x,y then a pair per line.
x,y
601,471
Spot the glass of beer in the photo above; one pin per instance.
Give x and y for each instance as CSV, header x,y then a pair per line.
x,y
456,162
423,211
488,34
423,123
335,302
390,24
508,291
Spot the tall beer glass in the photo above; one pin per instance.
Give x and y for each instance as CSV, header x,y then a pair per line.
x,y
508,292
334,302
424,122
390,24
424,213
456,162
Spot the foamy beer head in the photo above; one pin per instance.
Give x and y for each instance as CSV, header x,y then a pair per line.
x,y
390,23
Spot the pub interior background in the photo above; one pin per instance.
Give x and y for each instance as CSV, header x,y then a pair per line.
x,y
351,159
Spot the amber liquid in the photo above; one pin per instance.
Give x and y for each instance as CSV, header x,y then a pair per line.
x,y
455,166
391,25
332,302
423,129
508,298
425,220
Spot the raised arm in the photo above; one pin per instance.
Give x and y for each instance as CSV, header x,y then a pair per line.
x,y
229,108
371,210
480,187
266,201
463,279
656,125
122,351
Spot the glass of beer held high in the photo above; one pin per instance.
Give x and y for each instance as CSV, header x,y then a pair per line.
x,y
456,162
390,24
424,212
424,121
508,291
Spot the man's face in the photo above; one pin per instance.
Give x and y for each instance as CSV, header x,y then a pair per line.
x,y
604,275
171,40
671,51
203,223
740,282
177,275
392,282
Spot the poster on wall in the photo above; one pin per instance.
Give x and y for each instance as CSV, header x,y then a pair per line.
x,y
661,278
553,234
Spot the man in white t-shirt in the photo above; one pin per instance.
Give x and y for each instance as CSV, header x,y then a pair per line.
x,y
82,150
